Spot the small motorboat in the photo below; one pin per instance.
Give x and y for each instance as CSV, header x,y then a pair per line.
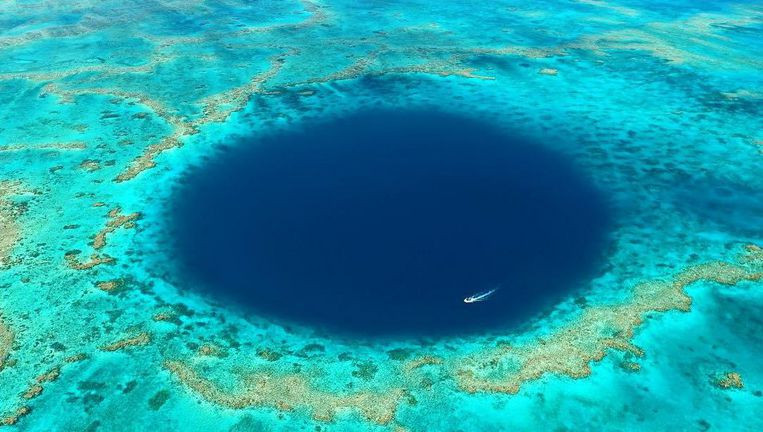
x,y
480,297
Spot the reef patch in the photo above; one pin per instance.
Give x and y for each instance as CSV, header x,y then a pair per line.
x,y
10,232
570,350
6,342
729,380
289,392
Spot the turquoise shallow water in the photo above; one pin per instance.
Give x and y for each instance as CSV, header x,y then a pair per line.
x,y
105,107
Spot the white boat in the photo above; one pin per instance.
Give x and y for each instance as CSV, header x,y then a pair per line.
x,y
480,297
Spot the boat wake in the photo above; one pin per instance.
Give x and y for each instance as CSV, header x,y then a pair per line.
x,y
480,296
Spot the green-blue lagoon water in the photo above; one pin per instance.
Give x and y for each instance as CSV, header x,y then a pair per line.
x,y
265,216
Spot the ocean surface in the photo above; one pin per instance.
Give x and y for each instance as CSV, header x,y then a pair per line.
x,y
265,216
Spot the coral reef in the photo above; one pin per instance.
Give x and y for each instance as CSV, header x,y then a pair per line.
x,y
729,380
10,232
106,107
6,342
571,349
141,339
288,392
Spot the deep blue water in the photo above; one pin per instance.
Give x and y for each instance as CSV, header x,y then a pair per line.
x,y
381,224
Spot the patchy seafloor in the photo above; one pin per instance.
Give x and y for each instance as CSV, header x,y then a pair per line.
x,y
105,105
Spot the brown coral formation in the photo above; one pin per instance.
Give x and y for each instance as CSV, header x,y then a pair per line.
x,y
169,316
435,57
753,254
32,392
664,39
6,342
289,392
116,220
14,418
94,261
73,145
218,107
141,339
146,160
729,380
268,354
422,361
90,165
49,376
76,358
210,350
570,350
235,99
110,286
10,233
36,389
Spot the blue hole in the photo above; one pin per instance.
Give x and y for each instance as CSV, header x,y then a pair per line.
x,y
381,224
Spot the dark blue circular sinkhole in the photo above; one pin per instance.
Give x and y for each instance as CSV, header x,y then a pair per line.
x,y
382,223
